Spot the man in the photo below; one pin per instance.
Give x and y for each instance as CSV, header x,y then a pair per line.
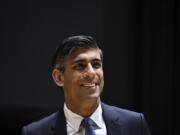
x,y
78,71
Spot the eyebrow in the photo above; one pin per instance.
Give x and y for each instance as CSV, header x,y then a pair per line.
x,y
82,60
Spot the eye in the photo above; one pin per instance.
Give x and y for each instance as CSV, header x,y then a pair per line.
x,y
97,64
79,67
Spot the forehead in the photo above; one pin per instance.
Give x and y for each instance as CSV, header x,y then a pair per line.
x,y
84,54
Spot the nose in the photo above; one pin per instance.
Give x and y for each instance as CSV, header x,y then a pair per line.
x,y
89,72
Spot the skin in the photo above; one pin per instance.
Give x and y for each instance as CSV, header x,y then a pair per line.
x,y
82,80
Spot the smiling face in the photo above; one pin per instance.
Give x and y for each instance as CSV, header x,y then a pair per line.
x,y
82,80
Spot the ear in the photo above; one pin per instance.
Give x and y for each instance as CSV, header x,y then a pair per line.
x,y
58,77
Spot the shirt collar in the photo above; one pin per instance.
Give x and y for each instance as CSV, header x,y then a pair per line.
x,y
97,117
74,120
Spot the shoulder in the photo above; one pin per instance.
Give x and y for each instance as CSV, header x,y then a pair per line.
x,y
114,109
123,115
45,124
131,121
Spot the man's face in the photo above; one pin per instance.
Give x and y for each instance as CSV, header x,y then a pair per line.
x,y
83,79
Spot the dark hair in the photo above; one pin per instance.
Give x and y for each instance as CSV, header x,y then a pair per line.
x,y
68,45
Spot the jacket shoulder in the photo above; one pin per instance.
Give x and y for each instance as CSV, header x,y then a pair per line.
x,y
124,116
120,111
41,126
132,122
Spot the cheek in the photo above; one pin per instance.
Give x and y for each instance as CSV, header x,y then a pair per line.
x,y
100,74
72,80
101,77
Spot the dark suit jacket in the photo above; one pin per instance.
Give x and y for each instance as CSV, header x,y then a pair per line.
x,y
118,122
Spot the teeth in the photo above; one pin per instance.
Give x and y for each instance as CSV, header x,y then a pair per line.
x,y
89,84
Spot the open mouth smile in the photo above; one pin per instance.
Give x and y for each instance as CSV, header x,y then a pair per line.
x,y
88,85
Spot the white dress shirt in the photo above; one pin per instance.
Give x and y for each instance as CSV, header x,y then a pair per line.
x,y
73,122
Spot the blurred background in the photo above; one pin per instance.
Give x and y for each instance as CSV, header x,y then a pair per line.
x,y
140,41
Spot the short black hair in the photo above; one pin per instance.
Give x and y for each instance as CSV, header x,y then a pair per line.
x,y
68,45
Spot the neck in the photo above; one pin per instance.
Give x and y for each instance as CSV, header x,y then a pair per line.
x,y
85,110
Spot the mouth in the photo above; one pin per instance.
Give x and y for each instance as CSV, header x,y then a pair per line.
x,y
88,84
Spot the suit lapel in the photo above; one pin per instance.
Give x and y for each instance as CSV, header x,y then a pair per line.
x,y
111,120
59,128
